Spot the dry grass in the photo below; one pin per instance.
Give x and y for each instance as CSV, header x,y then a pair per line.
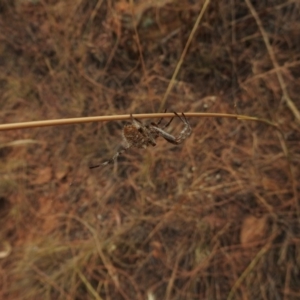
x,y
215,218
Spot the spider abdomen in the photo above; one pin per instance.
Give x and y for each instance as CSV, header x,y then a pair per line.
x,y
137,137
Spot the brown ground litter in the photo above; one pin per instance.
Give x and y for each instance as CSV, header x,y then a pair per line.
x,y
216,217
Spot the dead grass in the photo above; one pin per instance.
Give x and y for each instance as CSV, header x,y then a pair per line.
x,y
216,218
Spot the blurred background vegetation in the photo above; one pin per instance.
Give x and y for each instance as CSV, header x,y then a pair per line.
x,y
214,218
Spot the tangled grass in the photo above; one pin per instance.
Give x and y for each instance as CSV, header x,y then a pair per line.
x,y
215,218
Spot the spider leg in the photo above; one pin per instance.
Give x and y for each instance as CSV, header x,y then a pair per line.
x,y
156,124
159,121
183,118
113,159
185,133
168,123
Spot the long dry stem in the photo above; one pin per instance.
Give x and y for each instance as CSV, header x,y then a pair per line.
x,y
72,121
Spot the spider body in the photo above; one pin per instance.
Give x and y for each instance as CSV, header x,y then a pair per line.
x,y
139,135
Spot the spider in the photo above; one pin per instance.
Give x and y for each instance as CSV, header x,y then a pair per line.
x,y
139,135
